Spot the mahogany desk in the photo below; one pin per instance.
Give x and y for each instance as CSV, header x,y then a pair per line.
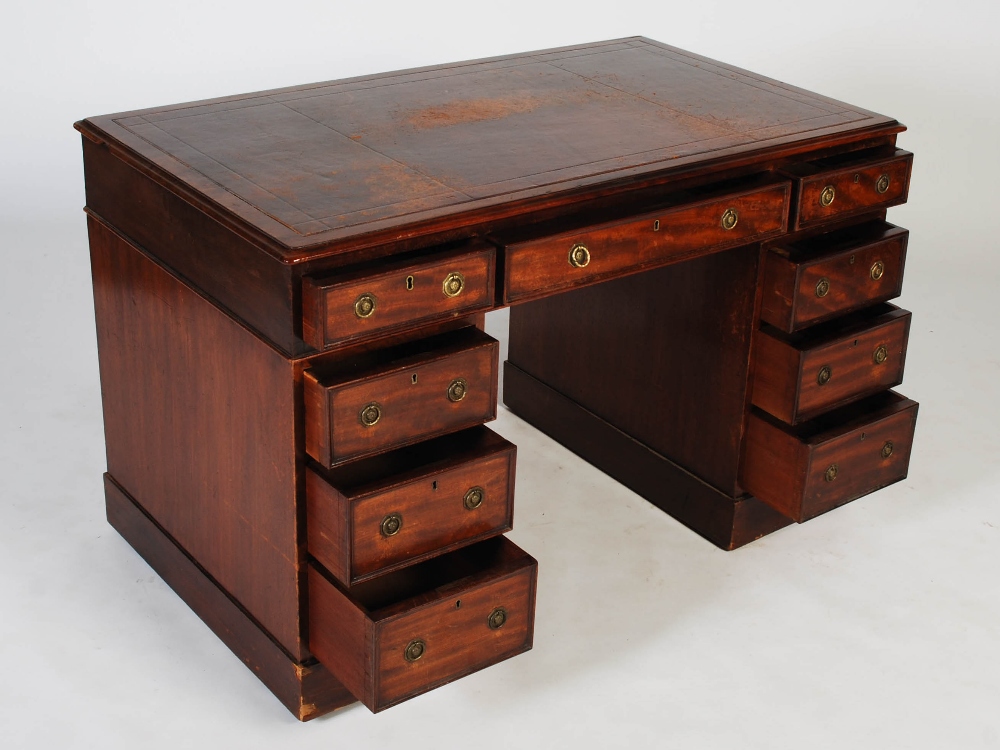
x,y
290,290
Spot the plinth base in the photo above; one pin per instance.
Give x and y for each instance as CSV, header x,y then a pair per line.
x,y
725,521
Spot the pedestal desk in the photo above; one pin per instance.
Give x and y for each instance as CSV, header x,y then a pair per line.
x,y
290,290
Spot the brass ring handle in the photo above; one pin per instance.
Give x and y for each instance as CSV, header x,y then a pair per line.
x,y
391,524
497,618
729,218
579,256
883,184
823,287
473,498
824,375
453,284
880,355
371,414
457,390
887,449
878,268
364,305
414,650
831,473
827,195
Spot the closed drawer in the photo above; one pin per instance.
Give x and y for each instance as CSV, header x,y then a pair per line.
x,y
379,300
842,186
816,279
799,375
408,632
378,514
540,265
807,470
401,395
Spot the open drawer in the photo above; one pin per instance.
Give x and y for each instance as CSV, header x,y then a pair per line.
x,y
380,299
849,184
380,513
393,397
407,632
811,468
800,375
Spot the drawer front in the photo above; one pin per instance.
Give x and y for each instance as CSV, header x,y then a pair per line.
x,y
570,259
357,533
433,514
804,473
416,629
799,293
458,638
344,308
433,396
797,377
852,189
858,462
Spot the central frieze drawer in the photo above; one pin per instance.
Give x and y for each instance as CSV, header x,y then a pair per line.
x,y
390,398
407,632
541,265
380,513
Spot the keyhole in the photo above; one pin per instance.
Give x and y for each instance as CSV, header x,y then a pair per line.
x,y
855,342
409,287
857,178
458,604
863,436
852,260
413,378
656,225
434,485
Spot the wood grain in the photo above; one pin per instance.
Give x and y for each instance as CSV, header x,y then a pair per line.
x,y
306,689
361,634
725,521
426,486
404,294
208,452
854,180
540,266
663,356
787,382
410,387
844,260
787,466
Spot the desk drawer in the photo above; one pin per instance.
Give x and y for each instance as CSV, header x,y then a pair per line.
x,y
797,376
836,273
840,187
538,266
347,306
378,514
408,632
399,396
807,470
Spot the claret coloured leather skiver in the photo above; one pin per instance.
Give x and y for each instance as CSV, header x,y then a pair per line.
x,y
290,290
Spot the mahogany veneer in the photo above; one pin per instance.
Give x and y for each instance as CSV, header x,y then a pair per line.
x,y
290,290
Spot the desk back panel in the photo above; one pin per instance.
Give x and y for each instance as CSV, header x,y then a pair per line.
x,y
662,355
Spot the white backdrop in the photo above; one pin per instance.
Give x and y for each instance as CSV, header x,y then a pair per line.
x,y
876,626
